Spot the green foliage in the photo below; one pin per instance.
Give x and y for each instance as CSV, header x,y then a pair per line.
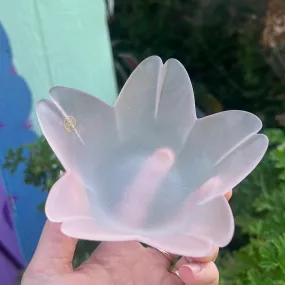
x,y
261,216
219,42
42,166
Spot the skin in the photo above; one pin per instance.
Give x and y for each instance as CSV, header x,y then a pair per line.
x,y
113,263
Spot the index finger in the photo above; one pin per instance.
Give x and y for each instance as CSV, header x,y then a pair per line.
x,y
145,185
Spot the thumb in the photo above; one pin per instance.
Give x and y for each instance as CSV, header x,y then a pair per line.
x,y
54,253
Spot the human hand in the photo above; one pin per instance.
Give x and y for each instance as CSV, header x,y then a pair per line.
x,y
120,263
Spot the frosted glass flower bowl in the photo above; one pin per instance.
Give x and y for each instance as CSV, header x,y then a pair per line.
x,y
146,168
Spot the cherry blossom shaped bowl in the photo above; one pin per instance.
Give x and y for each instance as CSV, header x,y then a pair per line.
x,y
146,168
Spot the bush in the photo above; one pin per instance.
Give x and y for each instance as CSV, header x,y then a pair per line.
x,y
219,42
259,206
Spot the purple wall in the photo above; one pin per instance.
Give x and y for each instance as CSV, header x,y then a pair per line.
x,y
11,259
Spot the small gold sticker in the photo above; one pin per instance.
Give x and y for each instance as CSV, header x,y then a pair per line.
x,y
69,124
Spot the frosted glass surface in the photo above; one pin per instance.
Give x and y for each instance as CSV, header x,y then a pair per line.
x,y
146,168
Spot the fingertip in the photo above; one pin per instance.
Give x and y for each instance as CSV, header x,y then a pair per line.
x,y
199,273
228,195
52,228
187,272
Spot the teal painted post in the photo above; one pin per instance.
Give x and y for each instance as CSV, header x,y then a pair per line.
x,y
59,42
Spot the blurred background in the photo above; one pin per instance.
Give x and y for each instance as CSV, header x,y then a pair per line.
x,y
234,52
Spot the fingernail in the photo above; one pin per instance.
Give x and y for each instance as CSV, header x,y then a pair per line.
x,y
194,267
